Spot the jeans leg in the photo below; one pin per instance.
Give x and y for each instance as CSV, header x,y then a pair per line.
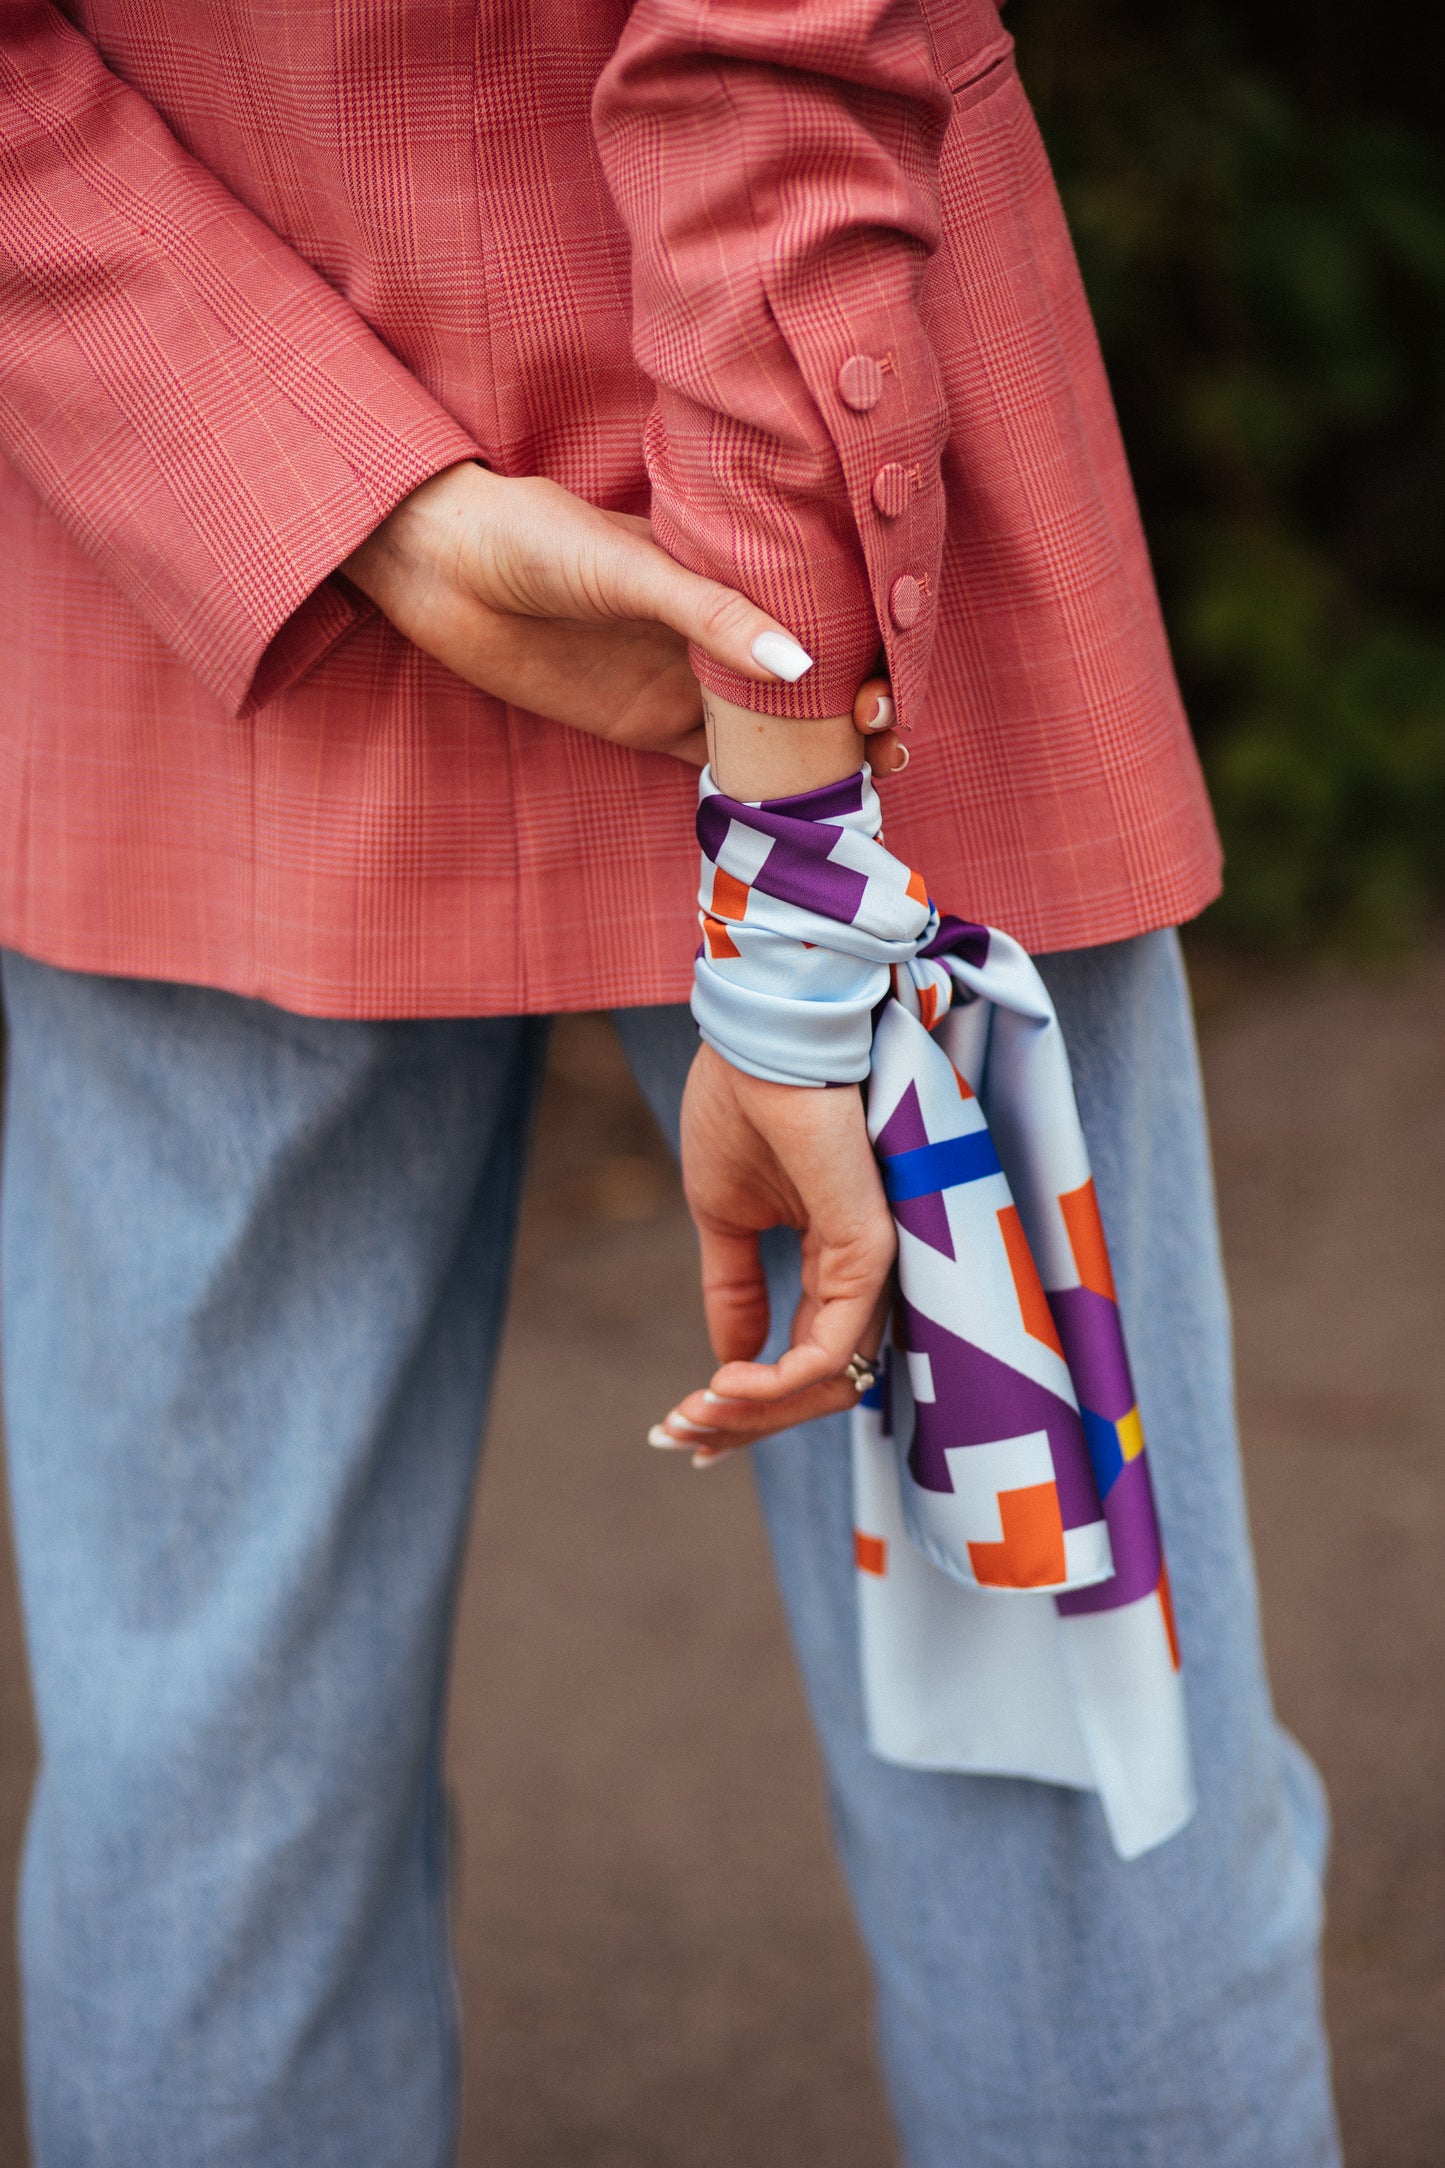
x,y
1041,2004
254,1268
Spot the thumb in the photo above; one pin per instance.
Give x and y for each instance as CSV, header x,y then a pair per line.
x,y
836,1326
723,623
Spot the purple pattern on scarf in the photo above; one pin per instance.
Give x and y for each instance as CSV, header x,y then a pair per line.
x,y
960,937
1093,1338
925,1217
905,1129
797,869
980,1400
1134,1536
827,803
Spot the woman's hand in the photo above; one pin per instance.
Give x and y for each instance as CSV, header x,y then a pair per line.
x,y
758,1155
539,598
531,594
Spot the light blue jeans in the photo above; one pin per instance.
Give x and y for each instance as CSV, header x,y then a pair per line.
x,y
254,1269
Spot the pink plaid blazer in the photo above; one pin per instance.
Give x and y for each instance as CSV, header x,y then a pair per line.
x,y
792,276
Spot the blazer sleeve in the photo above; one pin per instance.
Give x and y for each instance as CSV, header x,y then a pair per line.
x,y
210,420
776,166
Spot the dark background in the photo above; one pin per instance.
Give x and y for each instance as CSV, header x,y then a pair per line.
x,y
1257,194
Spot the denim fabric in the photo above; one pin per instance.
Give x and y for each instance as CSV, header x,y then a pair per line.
x,y
253,1276
253,1273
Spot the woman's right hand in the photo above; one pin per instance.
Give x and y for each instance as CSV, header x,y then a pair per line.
x,y
534,595
537,597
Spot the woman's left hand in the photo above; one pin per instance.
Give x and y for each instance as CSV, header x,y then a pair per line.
x,y
758,1155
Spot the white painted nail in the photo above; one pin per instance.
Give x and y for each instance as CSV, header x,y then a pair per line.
x,y
708,1460
664,1439
694,1430
780,653
904,756
883,720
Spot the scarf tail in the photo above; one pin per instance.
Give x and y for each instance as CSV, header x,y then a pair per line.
x,y
1013,1598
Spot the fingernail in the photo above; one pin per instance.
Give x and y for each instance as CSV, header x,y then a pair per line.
x,y
694,1430
882,714
904,756
664,1439
780,653
704,1458
715,1398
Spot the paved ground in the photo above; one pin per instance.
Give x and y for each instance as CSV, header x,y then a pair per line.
x,y
657,1963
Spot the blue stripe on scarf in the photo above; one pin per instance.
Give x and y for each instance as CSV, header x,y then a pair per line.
x,y
932,1167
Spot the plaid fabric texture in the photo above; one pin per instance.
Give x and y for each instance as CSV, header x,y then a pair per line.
x,y
797,279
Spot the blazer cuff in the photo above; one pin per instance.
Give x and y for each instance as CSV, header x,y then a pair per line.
x,y
870,370
315,607
848,561
307,637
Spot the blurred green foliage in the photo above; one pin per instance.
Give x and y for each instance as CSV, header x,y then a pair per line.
x,y
1258,201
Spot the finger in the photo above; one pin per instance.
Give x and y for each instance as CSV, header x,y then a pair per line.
x,y
849,1244
734,1292
709,1418
551,554
710,1428
713,1419
874,718
818,1356
710,1425
723,623
873,708
887,756
870,1340
835,1332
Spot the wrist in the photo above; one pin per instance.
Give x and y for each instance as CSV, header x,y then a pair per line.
x,y
805,917
405,553
755,756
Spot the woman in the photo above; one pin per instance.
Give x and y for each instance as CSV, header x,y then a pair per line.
x,y
331,762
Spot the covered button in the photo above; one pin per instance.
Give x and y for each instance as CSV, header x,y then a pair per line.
x,y
905,600
860,383
890,489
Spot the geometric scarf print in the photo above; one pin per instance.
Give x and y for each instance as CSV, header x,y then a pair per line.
x,y
1014,1607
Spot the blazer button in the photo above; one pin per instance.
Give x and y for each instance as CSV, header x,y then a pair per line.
x,y
905,601
860,383
890,489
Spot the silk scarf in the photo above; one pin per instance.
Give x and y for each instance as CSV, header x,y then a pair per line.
x,y
1013,1598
